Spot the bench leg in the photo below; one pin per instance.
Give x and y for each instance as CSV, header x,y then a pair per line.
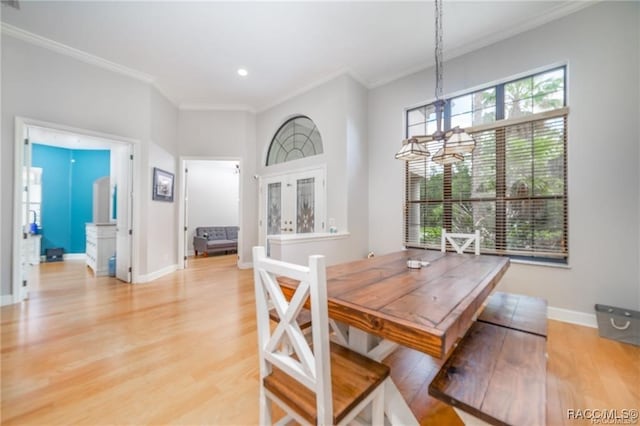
x,y
470,420
395,407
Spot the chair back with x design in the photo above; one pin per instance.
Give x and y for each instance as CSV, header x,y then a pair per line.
x,y
456,238
312,368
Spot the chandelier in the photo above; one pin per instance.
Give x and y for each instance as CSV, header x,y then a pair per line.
x,y
455,142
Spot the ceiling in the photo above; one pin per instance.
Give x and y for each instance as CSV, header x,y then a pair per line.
x,y
191,50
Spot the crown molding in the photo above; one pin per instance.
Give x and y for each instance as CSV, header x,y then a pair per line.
x,y
163,93
557,12
216,107
80,55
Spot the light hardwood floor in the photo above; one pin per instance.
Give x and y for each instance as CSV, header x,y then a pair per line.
x,y
182,350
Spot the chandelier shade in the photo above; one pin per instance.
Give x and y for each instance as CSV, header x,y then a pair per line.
x,y
444,158
455,142
459,141
412,149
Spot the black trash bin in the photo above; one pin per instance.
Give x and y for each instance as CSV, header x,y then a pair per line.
x,y
54,254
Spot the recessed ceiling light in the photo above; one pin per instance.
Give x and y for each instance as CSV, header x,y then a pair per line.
x,y
242,72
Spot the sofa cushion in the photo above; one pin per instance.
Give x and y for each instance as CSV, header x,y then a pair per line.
x,y
204,231
221,244
217,233
232,232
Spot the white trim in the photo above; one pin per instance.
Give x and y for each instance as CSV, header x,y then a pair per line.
x,y
216,107
163,93
74,256
245,265
157,274
16,225
540,263
312,168
7,299
290,239
29,122
80,55
572,317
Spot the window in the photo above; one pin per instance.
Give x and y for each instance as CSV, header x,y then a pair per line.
x,y
513,187
297,138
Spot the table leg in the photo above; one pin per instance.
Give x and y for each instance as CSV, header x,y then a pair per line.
x,y
370,345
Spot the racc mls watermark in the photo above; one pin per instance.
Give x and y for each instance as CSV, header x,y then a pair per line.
x,y
604,416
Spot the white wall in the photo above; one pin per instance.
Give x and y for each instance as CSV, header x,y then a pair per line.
x,y
160,240
338,108
43,85
159,253
600,46
357,168
227,135
214,195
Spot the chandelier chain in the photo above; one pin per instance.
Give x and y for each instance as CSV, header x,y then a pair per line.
x,y
438,48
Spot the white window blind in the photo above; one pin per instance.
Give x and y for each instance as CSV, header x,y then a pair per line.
x,y
513,187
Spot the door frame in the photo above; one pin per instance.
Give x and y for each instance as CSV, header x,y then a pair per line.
x,y
21,125
182,192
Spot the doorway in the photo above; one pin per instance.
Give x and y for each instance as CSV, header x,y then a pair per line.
x,y
209,197
74,146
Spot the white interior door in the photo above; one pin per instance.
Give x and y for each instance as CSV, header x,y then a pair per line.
x,y
124,210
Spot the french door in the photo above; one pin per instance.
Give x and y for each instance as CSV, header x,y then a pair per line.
x,y
292,203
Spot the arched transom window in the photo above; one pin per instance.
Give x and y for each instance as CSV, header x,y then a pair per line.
x,y
297,138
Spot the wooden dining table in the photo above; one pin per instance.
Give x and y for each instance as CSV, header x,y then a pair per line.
x,y
378,303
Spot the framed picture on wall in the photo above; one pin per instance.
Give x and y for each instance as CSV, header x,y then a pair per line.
x,y
162,185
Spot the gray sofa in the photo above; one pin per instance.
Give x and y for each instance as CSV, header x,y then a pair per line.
x,y
215,239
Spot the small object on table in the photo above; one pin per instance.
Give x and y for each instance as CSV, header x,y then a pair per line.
x,y
414,264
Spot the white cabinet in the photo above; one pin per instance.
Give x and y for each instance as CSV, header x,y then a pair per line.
x,y
101,245
33,248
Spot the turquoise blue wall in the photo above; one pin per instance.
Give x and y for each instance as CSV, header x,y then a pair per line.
x,y
67,193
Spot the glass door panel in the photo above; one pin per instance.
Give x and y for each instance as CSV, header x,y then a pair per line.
x,y
274,208
305,202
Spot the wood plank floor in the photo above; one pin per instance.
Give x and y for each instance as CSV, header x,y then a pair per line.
x,y
182,350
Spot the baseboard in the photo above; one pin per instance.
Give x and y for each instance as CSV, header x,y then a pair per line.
x,y
572,317
245,265
74,256
7,299
157,274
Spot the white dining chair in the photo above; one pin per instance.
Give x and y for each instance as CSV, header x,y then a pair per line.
x,y
455,238
322,383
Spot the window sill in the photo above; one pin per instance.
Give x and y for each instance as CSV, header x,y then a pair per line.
x,y
541,263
